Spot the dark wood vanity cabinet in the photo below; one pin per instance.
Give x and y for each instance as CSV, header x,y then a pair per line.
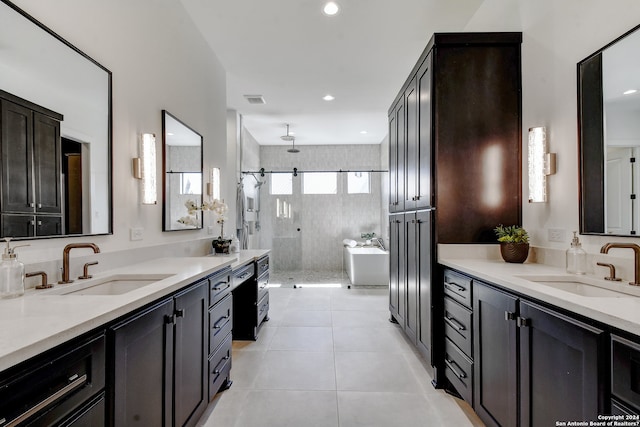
x,y
533,365
220,324
397,270
160,358
62,387
31,190
250,299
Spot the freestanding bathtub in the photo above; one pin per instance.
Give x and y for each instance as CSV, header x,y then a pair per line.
x,y
367,265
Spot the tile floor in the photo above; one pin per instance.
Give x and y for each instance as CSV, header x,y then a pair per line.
x,y
330,357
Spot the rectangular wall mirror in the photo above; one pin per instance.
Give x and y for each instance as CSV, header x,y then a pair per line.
x,y
609,136
182,173
56,134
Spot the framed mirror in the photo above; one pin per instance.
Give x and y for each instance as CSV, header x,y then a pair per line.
x,y
182,173
56,133
609,138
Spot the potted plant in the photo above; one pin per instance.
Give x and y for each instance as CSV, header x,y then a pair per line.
x,y
219,207
514,243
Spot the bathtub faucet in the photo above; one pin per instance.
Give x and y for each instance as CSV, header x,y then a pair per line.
x,y
379,240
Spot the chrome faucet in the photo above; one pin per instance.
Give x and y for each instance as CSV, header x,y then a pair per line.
x,y
65,258
379,240
636,250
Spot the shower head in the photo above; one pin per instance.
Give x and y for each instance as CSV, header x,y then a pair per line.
x,y
293,148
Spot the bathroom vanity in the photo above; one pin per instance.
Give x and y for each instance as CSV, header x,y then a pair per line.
x,y
527,344
154,354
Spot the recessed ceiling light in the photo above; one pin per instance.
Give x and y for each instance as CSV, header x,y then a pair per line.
x,y
364,132
331,8
328,97
630,91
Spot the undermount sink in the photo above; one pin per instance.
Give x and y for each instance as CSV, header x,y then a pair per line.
x,y
576,285
111,285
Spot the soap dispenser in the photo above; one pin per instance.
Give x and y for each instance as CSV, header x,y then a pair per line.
x,y
11,273
576,257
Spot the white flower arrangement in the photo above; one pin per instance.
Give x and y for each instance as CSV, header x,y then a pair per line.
x,y
219,207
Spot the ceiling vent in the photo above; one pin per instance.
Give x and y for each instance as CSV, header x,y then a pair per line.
x,y
255,99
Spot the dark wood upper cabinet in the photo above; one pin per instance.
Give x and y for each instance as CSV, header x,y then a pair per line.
x,y
461,133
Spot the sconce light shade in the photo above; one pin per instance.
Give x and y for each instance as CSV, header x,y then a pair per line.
x,y
213,187
148,172
541,164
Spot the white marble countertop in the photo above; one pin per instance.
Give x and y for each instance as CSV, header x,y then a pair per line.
x,y
244,257
622,313
41,319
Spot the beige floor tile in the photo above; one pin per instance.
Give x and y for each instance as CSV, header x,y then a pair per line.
x,y
245,366
303,338
306,318
277,408
296,370
353,319
382,409
374,371
369,339
265,335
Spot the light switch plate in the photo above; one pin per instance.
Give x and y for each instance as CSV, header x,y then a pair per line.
x,y
136,233
210,229
556,234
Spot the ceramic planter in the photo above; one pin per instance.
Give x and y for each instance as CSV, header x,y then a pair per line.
x,y
514,252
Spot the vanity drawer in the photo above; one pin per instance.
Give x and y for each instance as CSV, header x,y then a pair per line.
x,y
263,309
219,286
54,385
458,325
458,287
625,376
262,265
219,367
458,370
220,322
243,274
263,285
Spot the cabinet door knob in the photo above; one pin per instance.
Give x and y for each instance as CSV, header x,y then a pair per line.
x,y
508,315
523,322
180,313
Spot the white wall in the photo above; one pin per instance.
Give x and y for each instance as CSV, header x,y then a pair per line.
x,y
556,36
159,61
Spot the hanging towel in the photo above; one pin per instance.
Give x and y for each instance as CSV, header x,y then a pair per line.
x,y
241,226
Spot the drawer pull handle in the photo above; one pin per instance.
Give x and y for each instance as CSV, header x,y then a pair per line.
x,y
216,371
454,287
454,323
47,401
244,276
220,323
217,286
450,365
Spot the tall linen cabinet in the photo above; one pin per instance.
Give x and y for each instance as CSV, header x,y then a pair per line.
x,y
455,138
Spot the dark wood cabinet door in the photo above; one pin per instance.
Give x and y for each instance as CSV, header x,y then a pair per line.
x,y
396,269
18,225
16,140
423,182
142,368
191,351
393,162
48,225
424,260
47,160
411,278
559,377
411,145
495,356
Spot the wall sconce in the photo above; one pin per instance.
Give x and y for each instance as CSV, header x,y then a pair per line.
x,y
213,186
144,168
541,164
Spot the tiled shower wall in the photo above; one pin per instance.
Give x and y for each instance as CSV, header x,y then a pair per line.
x,y
311,239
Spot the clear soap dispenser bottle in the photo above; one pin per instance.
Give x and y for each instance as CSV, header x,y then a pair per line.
x,y
11,273
576,257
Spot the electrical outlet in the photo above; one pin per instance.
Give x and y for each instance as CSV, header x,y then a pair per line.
x,y
210,229
135,233
556,234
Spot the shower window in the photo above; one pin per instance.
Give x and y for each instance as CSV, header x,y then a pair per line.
x,y
320,183
358,183
282,183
